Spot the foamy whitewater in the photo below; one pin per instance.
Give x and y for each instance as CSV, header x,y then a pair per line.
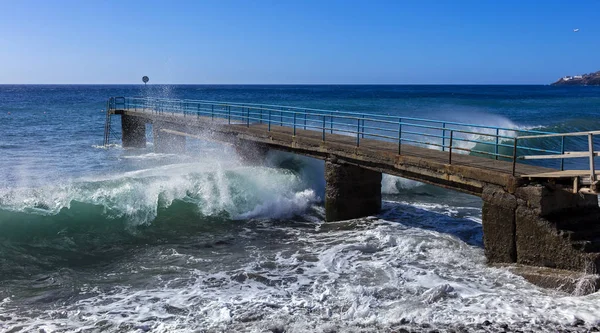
x,y
114,240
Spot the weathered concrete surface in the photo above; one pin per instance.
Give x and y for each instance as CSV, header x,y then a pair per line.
x,y
540,242
134,131
498,221
542,238
546,201
165,142
575,283
531,227
351,192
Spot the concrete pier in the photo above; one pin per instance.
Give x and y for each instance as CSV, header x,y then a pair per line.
x,y
351,191
134,131
527,221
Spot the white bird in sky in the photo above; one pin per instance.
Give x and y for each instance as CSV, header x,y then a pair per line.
x,y
576,30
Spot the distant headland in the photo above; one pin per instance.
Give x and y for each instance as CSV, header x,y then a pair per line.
x,y
592,79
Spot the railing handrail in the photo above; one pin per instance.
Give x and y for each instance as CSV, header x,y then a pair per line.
x,y
589,153
261,106
558,135
401,129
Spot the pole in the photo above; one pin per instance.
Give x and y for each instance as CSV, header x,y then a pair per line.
x,y
592,166
444,136
514,166
358,132
450,148
399,136
562,151
323,138
497,141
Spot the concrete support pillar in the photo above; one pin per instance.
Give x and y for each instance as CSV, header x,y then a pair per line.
x,y
165,142
498,219
351,192
134,132
558,229
541,226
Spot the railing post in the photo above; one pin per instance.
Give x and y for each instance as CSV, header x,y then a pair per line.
x,y
281,117
592,166
358,132
212,111
323,138
497,141
450,148
331,121
248,116
261,112
294,123
514,166
363,126
562,152
229,114
443,136
399,135
269,120
305,119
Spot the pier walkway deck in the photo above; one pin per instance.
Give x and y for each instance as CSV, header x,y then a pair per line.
x,y
448,154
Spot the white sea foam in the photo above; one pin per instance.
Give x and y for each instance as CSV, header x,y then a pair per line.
x,y
373,278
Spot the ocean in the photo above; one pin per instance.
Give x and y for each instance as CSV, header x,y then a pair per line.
x,y
112,240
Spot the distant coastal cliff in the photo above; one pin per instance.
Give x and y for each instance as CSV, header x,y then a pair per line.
x,y
592,79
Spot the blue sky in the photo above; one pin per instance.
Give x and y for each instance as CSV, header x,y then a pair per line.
x,y
288,42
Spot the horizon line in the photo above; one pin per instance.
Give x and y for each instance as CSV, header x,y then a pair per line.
x,y
278,84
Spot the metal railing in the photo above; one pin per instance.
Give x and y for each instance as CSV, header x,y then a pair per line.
x,y
490,141
590,153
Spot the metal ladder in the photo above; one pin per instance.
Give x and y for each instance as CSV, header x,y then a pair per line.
x,y
113,105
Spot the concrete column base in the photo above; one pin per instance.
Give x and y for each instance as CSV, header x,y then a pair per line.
x,y
165,142
544,227
134,132
351,192
498,222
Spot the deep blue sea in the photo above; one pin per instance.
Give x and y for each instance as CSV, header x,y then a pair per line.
x,y
113,240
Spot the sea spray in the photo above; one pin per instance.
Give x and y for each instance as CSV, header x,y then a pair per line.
x,y
137,195
394,185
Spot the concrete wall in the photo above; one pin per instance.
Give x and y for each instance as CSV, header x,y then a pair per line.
x,y
134,132
351,192
535,226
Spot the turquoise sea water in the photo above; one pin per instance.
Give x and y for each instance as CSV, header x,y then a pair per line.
x,y
95,239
